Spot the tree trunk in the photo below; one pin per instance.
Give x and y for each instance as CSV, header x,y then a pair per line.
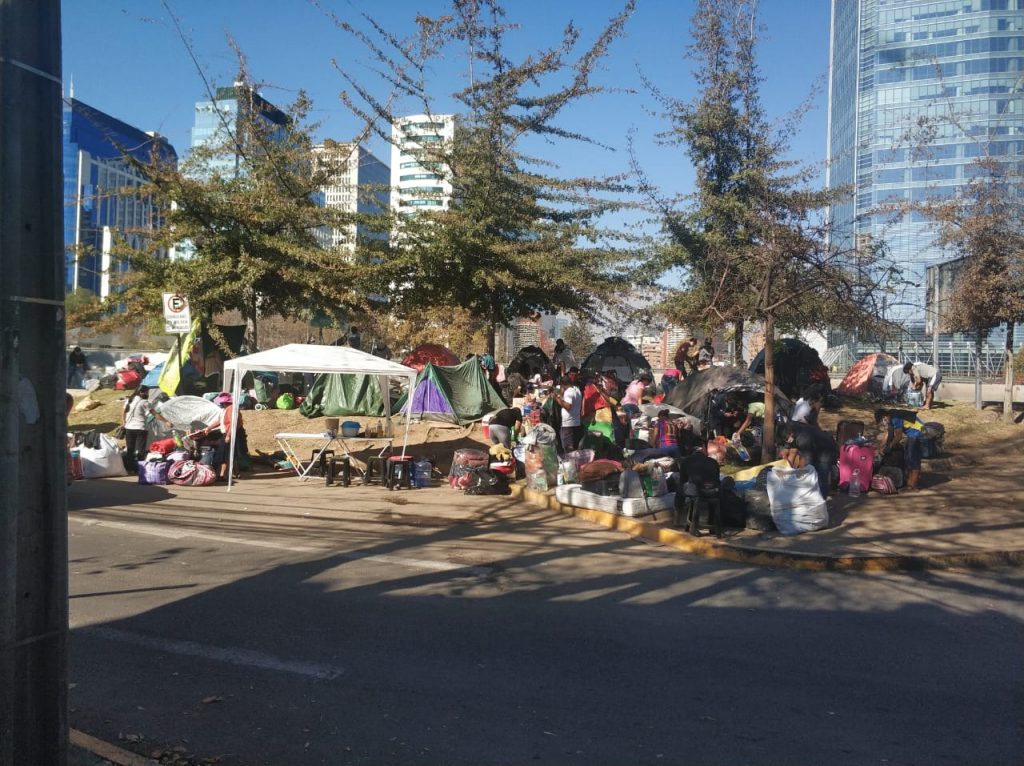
x,y
252,337
1008,374
737,341
492,329
768,448
978,339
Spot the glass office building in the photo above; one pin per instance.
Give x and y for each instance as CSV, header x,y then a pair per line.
x,y
97,208
217,121
955,66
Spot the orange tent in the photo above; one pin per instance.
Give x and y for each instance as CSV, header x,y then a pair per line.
x,y
431,353
865,377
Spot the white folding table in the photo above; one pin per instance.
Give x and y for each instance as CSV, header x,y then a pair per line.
x,y
321,443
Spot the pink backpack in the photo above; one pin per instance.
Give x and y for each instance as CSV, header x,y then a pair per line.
x,y
883,485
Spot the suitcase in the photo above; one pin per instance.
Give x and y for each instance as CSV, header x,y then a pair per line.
x,y
848,429
856,457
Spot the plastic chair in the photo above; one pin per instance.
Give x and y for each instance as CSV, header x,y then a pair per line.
x,y
708,495
375,468
399,472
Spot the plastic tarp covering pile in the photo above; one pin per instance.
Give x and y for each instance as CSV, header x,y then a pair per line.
x,y
336,395
867,375
184,412
460,394
692,394
796,501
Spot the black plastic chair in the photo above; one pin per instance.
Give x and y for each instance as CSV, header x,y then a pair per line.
x,y
709,495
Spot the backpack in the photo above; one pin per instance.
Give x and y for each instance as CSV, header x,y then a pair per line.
x,y
883,485
484,481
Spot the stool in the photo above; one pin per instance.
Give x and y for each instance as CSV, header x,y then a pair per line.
x,y
399,472
693,497
320,459
375,468
340,469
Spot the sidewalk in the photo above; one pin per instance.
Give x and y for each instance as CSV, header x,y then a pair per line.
x,y
965,515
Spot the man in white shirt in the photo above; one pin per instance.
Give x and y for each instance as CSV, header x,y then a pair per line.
x,y
569,398
563,358
808,406
894,382
924,376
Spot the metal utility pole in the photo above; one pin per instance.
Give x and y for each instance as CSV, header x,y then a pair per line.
x,y
33,515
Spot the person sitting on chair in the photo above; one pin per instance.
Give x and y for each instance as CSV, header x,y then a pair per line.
x,y
698,478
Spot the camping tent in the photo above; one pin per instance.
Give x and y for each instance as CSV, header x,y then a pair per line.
x,y
326,360
529,361
616,355
694,395
797,366
430,353
866,376
456,394
345,395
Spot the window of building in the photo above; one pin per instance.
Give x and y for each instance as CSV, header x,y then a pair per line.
x,y
890,176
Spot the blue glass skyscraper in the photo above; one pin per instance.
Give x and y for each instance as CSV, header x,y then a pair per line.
x,y
217,123
96,176
951,68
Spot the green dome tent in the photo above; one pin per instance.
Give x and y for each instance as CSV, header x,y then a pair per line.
x,y
459,394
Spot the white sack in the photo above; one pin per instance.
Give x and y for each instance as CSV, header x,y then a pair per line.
x,y
796,502
103,461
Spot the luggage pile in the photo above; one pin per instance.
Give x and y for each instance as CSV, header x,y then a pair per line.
x,y
176,460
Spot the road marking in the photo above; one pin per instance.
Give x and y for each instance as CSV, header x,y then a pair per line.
x,y
412,563
245,657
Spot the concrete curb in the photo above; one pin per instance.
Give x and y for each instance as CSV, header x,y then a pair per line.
x,y
747,554
105,751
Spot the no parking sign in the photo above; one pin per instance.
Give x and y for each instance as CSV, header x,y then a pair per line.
x,y
177,316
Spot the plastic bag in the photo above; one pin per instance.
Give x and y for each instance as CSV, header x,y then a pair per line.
x,y
102,461
796,502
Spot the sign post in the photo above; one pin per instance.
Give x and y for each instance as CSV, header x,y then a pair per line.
x,y
177,320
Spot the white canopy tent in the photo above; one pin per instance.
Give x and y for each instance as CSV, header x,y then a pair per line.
x,y
306,357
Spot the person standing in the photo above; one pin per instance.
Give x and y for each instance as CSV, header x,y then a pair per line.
x,y
903,426
133,420
503,424
355,340
706,354
808,406
77,366
563,358
924,376
635,394
570,399
679,358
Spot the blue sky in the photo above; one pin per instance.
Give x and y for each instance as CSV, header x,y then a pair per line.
x,y
127,59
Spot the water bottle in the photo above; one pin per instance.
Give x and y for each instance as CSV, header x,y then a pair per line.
x,y
855,483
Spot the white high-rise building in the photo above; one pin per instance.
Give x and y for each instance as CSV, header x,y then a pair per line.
x,y
358,184
419,179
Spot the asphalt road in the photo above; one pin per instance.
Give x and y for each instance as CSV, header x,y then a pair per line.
x,y
528,638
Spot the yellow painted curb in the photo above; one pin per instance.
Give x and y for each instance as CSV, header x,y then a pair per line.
x,y
105,750
720,549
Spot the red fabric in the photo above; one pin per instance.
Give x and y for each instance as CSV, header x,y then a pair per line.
x,y
163,446
127,379
431,353
592,400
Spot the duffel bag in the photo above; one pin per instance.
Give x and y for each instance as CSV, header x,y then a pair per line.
x,y
153,472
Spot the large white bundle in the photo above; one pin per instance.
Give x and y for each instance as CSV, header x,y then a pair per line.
x,y
103,461
186,411
796,502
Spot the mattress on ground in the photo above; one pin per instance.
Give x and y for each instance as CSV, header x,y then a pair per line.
x,y
574,494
